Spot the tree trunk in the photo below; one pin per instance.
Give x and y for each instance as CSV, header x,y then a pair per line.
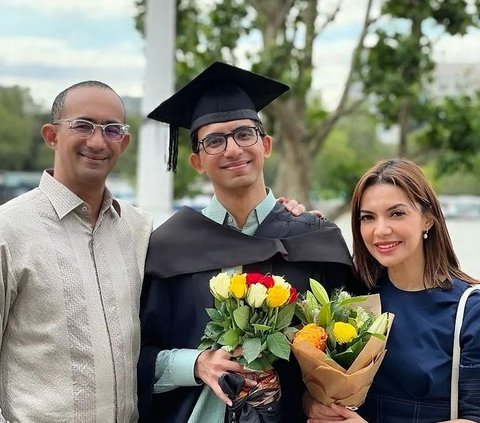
x,y
294,172
403,124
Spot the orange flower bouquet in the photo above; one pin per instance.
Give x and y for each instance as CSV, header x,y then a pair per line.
x,y
252,311
341,344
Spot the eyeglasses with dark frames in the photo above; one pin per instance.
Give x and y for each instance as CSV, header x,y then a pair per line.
x,y
112,132
245,136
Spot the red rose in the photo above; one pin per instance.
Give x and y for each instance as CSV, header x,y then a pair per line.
x,y
293,295
266,280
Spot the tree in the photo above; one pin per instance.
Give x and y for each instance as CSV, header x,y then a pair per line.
x,y
286,31
16,131
453,133
397,69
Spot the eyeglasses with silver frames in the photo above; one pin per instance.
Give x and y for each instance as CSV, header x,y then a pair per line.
x,y
113,132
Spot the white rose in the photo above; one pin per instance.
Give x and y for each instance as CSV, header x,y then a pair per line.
x,y
256,295
220,286
281,282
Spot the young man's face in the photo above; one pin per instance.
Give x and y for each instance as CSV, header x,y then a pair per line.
x,y
237,169
82,164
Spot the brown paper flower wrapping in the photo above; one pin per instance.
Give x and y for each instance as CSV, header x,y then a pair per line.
x,y
328,382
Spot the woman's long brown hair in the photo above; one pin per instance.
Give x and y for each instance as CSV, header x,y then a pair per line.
x,y
441,263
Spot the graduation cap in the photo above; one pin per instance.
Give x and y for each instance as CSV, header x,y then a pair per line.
x,y
220,93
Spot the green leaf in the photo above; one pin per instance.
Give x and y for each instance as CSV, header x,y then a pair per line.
x,y
311,300
254,318
213,331
352,300
301,315
214,314
261,328
379,336
241,316
379,325
285,316
367,324
205,345
229,338
345,359
251,349
278,344
260,364
319,291
325,316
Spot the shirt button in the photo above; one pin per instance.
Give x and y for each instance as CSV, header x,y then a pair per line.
x,y
84,208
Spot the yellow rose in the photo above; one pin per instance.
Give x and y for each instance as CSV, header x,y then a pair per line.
x,y
256,295
344,332
277,296
220,286
279,280
238,286
313,334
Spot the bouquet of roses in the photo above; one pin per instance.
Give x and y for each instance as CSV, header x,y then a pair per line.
x,y
341,345
252,311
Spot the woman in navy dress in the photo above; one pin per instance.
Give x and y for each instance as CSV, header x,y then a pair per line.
x,y
402,250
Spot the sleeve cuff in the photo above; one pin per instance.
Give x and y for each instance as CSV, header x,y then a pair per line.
x,y
183,367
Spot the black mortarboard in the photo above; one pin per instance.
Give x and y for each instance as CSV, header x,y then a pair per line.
x,y
220,93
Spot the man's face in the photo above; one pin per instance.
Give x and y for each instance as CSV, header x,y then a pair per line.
x,y
237,169
82,164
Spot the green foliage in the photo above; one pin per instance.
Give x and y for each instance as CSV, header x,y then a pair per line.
x,y
16,128
397,68
186,177
127,163
453,132
395,71
351,148
459,183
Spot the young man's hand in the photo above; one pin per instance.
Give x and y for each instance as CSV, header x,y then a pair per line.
x,y
211,364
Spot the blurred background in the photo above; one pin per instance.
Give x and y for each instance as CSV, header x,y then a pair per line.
x,y
370,79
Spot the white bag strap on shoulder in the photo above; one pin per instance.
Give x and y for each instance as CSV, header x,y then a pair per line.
x,y
456,351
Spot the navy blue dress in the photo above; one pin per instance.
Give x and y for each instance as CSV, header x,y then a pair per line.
x,y
413,382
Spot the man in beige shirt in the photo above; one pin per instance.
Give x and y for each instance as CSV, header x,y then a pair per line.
x,y
71,266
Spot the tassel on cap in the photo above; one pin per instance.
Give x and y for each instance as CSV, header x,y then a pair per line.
x,y
173,149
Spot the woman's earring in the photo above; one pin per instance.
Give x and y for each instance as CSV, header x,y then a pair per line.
x,y
425,234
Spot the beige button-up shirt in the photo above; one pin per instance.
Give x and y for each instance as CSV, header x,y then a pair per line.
x,y
69,305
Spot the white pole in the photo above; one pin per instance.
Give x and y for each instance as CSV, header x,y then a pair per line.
x,y
155,187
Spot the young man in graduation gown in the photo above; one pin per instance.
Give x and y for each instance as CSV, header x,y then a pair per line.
x,y
243,229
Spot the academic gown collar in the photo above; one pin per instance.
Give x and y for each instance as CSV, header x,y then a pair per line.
x,y
189,242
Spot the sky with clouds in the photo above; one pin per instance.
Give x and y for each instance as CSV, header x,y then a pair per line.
x,y
49,44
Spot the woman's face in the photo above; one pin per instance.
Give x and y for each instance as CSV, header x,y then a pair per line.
x,y
392,227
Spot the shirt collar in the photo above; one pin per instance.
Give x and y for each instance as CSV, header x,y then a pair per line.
x,y
219,214
65,201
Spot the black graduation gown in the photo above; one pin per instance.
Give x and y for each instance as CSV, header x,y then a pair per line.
x,y
186,251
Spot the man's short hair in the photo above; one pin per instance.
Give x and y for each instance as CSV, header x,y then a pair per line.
x,y
59,102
